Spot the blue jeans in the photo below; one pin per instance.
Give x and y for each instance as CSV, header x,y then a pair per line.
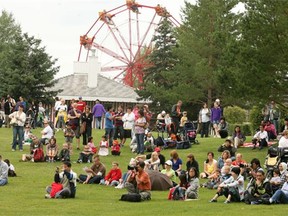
x,y
98,122
109,135
140,143
3,182
280,196
18,132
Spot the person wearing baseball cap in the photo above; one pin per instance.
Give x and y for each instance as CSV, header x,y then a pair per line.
x,y
160,156
232,188
169,172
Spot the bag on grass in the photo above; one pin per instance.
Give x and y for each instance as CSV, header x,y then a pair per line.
x,y
38,155
131,197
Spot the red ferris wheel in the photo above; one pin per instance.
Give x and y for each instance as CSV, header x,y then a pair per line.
x,y
122,38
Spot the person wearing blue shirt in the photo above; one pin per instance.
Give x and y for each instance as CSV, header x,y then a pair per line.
x,y
109,128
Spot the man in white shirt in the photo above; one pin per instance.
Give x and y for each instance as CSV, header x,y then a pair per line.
x,y
260,137
47,132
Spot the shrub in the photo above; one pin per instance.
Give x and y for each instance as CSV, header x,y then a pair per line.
x,y
234,115
255,117
245,128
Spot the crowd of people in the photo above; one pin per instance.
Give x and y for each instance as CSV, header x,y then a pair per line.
x,y
226,174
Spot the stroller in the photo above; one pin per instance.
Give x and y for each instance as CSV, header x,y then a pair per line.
x,y
190,133
272,161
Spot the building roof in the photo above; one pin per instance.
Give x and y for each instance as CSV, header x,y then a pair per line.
x,y
75,85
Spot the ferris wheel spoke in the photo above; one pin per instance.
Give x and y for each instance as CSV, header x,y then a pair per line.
x,y
144,37
110,53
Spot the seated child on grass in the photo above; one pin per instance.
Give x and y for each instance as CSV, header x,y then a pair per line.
x,y
91,145
104,147
51,150
64,154
115,149
85,156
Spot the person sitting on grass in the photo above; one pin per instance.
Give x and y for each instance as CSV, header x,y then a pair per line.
x,y
56,186
281,195
91,145
64,154
210,166
52,150
260,137
228,145
221,160
149,142
33,147
139,182
104,147
259,191
11,168
275,181
113,177
192,191
238,137
85,156
232,188
68,179
3,172
160,156
95,173
191,162
169,172
115,149
153,163
176,162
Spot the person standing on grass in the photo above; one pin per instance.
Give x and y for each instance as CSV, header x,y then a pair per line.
x,y
19,118
68,179
3,172
74,119
109,127
86,118
140,132
98,111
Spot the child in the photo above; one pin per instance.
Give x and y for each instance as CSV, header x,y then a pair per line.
x,y
275,180
55,186
103,150
113,177
52,150
69,135
115,149
214,180
11,170
149,142
85,156
91,145
183,119
27,135
64,153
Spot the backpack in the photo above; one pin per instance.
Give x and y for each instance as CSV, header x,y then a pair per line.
x,y
131,197
38,155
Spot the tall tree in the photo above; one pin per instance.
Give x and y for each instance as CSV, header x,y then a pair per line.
x,y
157,77
207,28
25,68
262,58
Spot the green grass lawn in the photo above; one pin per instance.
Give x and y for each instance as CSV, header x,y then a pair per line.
x,y
24,195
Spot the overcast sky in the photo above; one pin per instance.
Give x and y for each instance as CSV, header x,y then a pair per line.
x,y
59,23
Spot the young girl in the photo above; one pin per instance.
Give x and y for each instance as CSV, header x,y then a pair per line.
x,y
153,163
103,150
275,180
91,145
115,149
210,166
27,135
51,150
192,191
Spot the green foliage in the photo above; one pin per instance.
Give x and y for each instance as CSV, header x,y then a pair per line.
x,y
235,114
25,67
255,117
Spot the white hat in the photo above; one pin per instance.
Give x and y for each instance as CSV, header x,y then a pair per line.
x,y
168,162
163,112
217,100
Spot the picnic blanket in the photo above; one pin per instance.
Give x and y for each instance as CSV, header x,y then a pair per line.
x,y
250,144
